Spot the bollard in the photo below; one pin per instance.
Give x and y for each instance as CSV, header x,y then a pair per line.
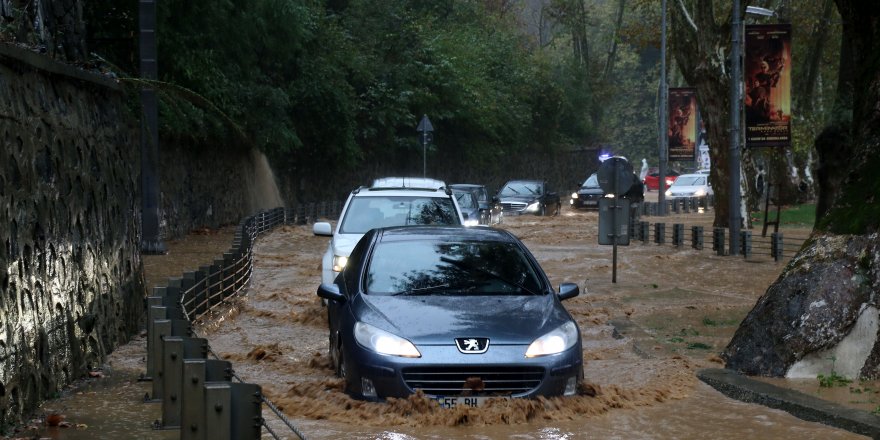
x,y
161,328
172,299
776,244
196,373
175,351
678,235
152,315
745,239
697,237
645,231
718,240
660,233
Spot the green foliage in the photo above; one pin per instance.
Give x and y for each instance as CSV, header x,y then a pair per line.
x,y
833,379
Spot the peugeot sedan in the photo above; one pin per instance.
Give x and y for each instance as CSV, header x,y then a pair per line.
x,y
462,314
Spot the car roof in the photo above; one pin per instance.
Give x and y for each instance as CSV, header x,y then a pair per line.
x,y
437,232
466,186
408,182
525,180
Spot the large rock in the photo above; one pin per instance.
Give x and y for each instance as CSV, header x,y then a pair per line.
x,y
811,308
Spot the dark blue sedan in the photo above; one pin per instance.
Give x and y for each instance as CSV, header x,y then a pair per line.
x,y
463,314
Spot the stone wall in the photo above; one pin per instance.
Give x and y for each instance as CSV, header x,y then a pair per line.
x,y
208,187
71,279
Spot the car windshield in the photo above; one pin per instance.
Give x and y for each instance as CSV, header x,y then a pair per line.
x,y
690,181
521,189
365,213
465,199
591,181
421,267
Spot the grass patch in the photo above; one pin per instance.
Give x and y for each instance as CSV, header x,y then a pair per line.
x,y
698,346
833,379
800,215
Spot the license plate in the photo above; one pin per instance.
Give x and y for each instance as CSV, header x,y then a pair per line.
x,y
590,202
471,401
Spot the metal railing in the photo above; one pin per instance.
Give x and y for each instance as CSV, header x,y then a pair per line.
x,y
198,394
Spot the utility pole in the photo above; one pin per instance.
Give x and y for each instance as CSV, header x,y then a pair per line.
x,y
151,241
426,129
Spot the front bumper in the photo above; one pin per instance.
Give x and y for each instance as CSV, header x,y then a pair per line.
x,y
388,373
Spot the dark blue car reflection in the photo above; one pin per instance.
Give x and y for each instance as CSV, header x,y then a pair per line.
x,y
462,314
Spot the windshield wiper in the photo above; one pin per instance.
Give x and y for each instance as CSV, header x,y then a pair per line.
x,y
467,267
421,290
513,190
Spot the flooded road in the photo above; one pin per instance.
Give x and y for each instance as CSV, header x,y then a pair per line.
x,y
645,336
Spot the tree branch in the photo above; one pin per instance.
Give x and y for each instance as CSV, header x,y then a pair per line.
x,y
687,16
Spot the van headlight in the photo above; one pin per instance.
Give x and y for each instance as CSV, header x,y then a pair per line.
x,y
700,193
574,195
339,263
533,207
560,339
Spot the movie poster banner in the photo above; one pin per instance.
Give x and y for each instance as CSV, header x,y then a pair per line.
x,y
767,76
682,132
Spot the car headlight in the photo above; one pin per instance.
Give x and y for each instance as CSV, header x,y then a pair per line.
x,y
609,196
557,341
533,207
669,182
668,193
339,263
574,195
700,193
383,342
471,222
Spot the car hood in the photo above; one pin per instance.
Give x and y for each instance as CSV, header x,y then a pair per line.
x,y
590,190
438,320
688,188
524,198
344,243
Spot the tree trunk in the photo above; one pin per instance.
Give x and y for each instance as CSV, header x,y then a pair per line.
x,y
612,51
856,209
702,55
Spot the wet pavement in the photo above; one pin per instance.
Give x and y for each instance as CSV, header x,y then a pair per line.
x,y
645,337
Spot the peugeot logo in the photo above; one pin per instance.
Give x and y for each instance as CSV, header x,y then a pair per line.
x,y
472,345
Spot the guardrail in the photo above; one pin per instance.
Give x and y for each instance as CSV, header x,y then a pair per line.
x,y
203,397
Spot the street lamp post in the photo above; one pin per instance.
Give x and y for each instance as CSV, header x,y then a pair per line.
x,y
735,128
736,97
664,121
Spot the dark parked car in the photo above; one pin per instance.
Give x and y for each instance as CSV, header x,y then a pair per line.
x,y
529,197
463,314
470,208
490,210
590,192
588,195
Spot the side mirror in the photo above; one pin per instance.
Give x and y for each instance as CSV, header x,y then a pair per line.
x,y
495,199
322,228
568,290
330,292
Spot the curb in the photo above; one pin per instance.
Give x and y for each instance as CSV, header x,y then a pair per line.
x,y
800,405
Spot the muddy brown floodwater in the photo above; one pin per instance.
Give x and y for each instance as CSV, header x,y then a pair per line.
x,y
669,314
645,336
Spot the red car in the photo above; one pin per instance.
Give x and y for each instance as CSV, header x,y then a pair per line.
x,y
652,180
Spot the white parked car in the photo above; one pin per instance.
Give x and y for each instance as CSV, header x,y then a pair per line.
x,y
690,185
391,201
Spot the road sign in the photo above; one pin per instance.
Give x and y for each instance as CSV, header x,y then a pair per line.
x,y
425,125
614,221
615,176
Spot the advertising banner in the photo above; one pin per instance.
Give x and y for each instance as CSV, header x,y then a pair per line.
x,y
682,132
767,76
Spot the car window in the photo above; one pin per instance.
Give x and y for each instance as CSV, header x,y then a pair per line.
x,y
521,189
482,195
415,267
365,213
465,199
592,181
690,181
